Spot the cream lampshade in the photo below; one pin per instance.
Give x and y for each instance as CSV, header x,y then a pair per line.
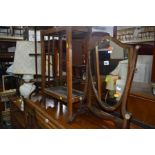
x,y
25,64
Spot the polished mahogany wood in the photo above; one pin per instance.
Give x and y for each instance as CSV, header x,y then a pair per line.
x,y
49,51
60,58
53,57
43,62
53,116
18,119
131,68
69,70
98,72
141,103
57,32
62,29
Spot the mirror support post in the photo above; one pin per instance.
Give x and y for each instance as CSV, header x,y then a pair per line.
x,y
132,65
98,72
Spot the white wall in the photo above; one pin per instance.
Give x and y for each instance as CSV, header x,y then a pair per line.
x,y
117,52
143,69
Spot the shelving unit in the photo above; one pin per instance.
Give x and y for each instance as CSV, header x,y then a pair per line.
x,y
141,34
11,32
8,37
65,95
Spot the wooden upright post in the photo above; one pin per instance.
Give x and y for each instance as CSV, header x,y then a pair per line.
x,y
49,48
56,63
53,56
89,88
60,58
35,43
115,32
98,72
69,70
43,63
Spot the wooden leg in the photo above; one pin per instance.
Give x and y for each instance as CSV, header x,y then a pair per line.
x,y
69,71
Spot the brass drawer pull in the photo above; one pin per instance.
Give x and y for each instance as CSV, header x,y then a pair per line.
x,y
46,120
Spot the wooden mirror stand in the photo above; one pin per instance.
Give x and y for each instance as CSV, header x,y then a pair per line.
x,y
102,110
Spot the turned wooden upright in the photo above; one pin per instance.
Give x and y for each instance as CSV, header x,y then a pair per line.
x,y
69,69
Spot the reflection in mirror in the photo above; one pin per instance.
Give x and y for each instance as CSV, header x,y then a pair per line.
x,y
109,67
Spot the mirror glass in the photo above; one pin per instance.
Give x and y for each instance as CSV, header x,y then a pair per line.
x,y
109,67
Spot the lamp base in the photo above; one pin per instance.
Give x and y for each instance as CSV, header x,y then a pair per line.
x,y
26,89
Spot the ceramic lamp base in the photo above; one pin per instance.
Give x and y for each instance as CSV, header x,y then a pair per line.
x,y
26,89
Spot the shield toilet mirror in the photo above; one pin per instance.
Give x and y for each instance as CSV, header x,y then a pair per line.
x,y
109,67
111,71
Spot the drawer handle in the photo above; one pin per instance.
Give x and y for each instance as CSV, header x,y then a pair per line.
x,y
46,120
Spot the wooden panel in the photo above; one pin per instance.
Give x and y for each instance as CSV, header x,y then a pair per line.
x,y
145,50
142,109
141,103
60,58
18,120
77,52
55,117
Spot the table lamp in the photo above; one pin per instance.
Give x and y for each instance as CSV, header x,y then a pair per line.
x,y
24,64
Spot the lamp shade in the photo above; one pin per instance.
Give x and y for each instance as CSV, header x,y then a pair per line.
x,y
23,62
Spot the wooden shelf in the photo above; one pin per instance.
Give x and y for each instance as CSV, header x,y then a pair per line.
x,y
4,37
138,41
139,34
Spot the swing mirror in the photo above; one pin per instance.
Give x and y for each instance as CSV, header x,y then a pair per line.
x,y
108,71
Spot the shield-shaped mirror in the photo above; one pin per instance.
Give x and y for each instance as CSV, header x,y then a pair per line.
x,y
108,72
